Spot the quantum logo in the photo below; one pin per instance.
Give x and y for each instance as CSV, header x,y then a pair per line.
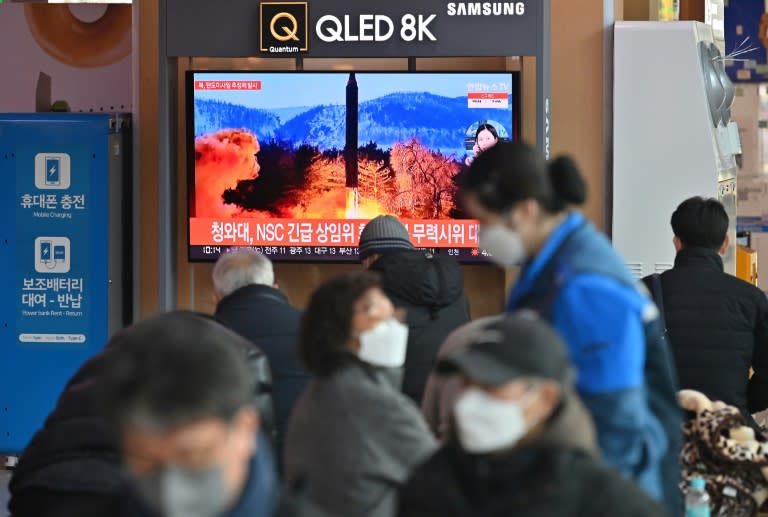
x,y
283,27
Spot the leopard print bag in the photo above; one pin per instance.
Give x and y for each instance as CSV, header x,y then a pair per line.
x,y
731,469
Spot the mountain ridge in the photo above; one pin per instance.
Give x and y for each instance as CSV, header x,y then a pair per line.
x,y
439,122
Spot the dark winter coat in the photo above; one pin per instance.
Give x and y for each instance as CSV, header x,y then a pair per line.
x,y
264,316
718,328
73,452
555,474
431,289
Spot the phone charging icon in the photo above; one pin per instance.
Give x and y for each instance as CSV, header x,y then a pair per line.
x,y
52,170
45,252
52,255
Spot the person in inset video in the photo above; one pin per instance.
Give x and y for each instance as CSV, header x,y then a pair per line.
x,y
486,137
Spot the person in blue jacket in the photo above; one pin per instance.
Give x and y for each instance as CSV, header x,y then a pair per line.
x,y
572,276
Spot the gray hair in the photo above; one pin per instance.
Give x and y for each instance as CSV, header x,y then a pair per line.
x,y
241,268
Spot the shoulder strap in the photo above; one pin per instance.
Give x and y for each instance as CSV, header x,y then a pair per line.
x,y
653,283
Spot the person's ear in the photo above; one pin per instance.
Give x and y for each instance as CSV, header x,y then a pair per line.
x,y
726,243
677,243
547,399
529,210
368,261
247,423
249,419
354,343
215,298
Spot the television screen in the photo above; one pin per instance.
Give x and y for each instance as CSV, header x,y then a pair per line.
x,y
293,164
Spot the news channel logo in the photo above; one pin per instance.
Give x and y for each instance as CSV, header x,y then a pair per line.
x,y
284,27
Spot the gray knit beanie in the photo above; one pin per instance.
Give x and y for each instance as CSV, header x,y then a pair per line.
x,y
382,234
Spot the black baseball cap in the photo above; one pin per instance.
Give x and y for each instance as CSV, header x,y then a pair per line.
x,y
519,345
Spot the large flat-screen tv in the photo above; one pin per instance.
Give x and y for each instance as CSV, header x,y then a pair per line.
x,y
293,164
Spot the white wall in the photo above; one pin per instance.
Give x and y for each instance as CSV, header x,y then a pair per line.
x,y
22,60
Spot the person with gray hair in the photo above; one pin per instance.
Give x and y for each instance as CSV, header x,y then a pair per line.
x,y
239,269
249,302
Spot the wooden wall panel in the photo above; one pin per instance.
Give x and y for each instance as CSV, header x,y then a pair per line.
x,y
577,93
637,10
326,64
184,270
692,10
493,64
528,87
146,123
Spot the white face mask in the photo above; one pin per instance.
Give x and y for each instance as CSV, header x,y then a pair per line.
x,y
504,245
177,492
385,344
486,424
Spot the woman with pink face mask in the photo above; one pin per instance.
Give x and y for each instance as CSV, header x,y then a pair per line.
x,y
486,137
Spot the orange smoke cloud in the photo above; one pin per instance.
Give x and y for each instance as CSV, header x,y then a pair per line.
x,y
221,160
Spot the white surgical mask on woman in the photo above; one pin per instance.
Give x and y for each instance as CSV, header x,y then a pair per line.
x,y
385,344
487,424
504,245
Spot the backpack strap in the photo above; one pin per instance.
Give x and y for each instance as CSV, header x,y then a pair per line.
x,y
653,283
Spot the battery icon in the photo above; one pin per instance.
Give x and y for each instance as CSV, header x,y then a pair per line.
x,y
59,253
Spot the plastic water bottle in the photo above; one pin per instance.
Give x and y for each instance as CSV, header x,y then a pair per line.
x,y
697,499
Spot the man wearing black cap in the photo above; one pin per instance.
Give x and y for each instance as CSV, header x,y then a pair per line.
x,y
525,445
430,288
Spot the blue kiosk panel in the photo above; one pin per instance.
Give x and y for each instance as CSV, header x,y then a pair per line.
x,y
55,253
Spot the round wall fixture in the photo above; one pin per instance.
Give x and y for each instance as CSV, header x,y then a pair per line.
x,y
79,43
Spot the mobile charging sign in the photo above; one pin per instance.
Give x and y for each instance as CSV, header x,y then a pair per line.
x,y
53,256
55,286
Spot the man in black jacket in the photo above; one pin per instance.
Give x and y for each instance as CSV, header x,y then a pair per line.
x,y
178,397
717,323
430,288
248,301
72,467
524,444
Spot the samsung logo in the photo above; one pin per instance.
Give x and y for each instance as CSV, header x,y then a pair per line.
x,y
486,9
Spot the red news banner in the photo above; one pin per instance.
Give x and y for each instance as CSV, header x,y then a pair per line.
x,y
205,231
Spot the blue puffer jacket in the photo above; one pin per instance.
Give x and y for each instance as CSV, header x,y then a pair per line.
x,y
580,284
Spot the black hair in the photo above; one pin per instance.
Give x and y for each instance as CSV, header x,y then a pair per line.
x,y
327,323
510,172
175,369
700,223
486,127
